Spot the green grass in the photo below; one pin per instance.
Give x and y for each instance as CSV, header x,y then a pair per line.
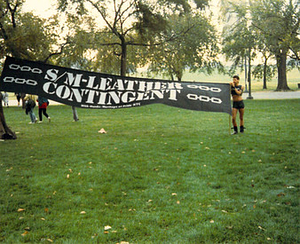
x,y
159,175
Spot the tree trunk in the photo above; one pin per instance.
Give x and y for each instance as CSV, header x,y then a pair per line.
x,y
246,75
265,74
281,66
123,57
5,132
249,75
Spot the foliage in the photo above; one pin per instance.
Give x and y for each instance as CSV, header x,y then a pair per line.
x,y
277,23
192,46
258,72
239,41
132,25
23,35
275,30
159,175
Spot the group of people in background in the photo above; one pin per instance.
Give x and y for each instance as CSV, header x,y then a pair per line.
x,y
30,104
19,96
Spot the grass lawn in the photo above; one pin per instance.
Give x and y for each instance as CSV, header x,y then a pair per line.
x,y
159,175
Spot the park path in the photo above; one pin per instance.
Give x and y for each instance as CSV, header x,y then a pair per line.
x,y
273,95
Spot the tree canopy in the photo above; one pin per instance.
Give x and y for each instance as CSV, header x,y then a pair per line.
x,y
167,36
128,24
274,25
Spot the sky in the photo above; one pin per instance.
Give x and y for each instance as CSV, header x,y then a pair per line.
x,y
46,8
42,8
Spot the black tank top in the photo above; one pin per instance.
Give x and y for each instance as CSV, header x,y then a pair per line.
x,y
233,92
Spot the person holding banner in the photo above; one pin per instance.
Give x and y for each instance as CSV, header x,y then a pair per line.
x,y
238,104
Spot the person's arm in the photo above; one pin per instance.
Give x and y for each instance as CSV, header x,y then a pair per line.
x,y
239,91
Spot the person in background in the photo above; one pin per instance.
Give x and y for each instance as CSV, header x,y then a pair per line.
x,y
23,95
5,99
238,104
43,104
18,96
29,106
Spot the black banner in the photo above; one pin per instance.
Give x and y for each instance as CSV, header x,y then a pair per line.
x,y
102,91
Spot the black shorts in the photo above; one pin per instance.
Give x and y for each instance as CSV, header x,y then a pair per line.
x,y
239,104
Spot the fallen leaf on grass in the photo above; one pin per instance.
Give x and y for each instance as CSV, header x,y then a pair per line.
x,y
281,194
25,233
82,212
49,240
261,228
107,227
102,131
212,221
11,168
21,209
174,194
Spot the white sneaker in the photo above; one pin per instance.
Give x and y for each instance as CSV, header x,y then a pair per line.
x,y
49,119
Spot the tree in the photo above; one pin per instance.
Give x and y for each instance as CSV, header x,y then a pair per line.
x,y
239,41
5,131
193,46
277,22
128,23
264,71
22,35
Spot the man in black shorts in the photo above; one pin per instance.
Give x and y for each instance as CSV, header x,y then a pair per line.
x,y
238,104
